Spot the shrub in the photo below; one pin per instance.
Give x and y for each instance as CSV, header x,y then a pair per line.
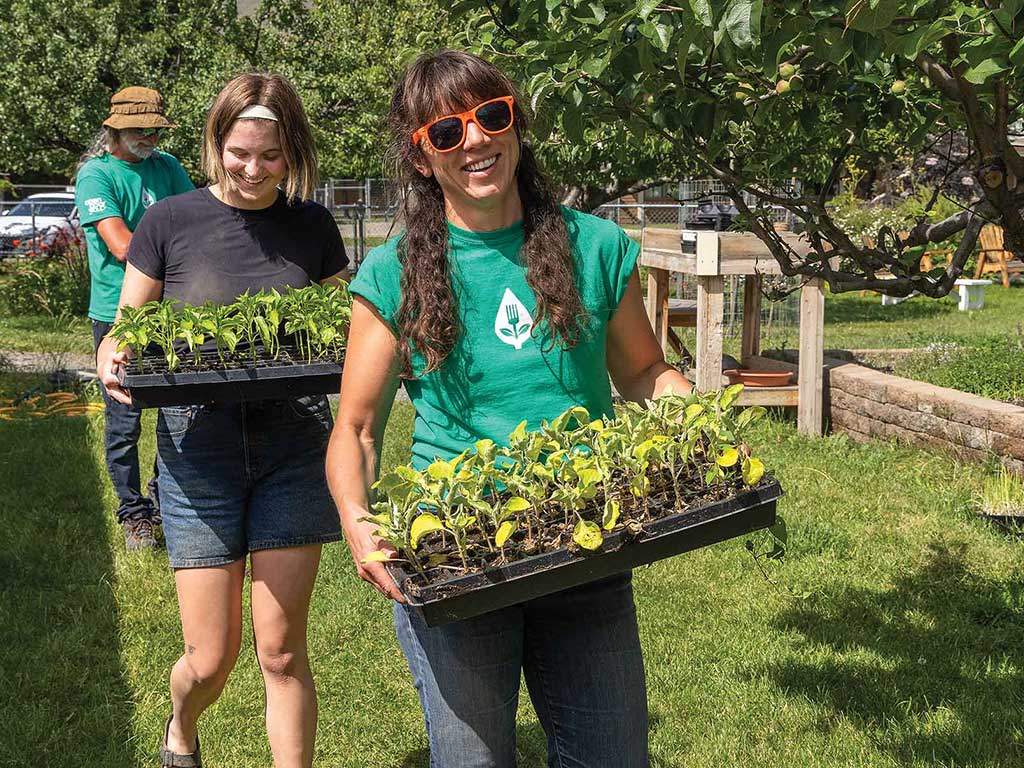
x,y
54,283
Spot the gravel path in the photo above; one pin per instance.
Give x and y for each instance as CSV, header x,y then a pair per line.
x,y
45,362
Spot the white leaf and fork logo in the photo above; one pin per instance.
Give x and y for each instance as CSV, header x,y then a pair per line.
x,y
513,323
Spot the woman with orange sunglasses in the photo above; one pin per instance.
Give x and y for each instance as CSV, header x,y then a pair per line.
x,y
496,304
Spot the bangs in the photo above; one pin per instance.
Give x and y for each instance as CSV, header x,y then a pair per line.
x,y
451,82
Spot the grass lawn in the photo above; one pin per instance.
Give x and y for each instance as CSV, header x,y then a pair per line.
x,y
853,321
861,322
40,333
907,651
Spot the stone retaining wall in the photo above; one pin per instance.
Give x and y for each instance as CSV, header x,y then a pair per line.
x,y
866,403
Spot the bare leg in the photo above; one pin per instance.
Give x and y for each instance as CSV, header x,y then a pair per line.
x,y
282,584
210,602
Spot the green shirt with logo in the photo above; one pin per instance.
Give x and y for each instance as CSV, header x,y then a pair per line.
x,y
107,187
499,372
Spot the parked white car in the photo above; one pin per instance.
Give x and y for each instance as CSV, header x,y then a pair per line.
x,y
37,221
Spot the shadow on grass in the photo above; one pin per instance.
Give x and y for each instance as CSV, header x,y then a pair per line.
x,y
64,699
933,666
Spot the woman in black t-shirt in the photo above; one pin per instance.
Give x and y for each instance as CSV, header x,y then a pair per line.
x,y
241,479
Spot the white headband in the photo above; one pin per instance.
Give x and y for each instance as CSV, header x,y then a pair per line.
x,y
257,110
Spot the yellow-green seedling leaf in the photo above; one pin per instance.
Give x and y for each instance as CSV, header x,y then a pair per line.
x,y
581,414
714,473
519,433
377,556
728,457
753,470
596,425
407,473
556,459
441,470
381,519
750,415
639,485
693,411
486,448
729,395
587,535
437,558
543,473
421,525
505,530
611,514
517,504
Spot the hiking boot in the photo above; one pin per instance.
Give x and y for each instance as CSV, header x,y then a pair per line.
x,y
138,534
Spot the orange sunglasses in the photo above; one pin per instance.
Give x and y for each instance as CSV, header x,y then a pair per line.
x,y
446,134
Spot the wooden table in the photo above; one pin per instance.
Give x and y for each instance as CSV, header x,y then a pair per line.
x,y
739,253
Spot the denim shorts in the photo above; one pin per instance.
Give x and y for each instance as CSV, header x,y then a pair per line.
x,y
240,477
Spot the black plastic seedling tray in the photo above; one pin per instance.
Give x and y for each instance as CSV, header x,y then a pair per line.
x,y
240,380
539,575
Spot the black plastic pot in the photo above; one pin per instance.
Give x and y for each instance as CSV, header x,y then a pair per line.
x,y
532,577
241,380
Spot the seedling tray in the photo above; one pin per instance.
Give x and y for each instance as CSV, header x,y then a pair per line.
x,y
539,575
240,379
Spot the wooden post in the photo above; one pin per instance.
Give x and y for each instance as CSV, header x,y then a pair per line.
x,y
810,414
710,309
657,303
751,343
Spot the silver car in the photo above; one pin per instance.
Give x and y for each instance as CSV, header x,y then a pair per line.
x,y
31,225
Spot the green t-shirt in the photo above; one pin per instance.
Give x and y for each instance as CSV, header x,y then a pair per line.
x,y
498,374
106,188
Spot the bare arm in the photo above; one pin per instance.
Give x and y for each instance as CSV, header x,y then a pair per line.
x,y
337,277
116,235
137,289
368,388
635,359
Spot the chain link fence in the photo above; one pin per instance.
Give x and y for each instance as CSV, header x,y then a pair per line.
x,y
365,211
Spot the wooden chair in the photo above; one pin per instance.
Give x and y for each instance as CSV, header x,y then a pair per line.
x,y
993,256
682,313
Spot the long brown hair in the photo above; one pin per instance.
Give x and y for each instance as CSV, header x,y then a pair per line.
x,y
442,83
277,94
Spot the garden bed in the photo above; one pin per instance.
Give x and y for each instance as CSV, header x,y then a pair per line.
x,y
236,378
441,598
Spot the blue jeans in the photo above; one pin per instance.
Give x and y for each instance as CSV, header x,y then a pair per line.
x,y
580,653
241,477
123,424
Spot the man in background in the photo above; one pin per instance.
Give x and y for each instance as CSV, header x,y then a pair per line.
x,y
118,178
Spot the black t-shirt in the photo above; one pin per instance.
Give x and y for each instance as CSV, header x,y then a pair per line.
x,y
205,250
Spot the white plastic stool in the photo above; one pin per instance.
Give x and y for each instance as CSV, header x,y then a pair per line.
x,y
971,294
891,301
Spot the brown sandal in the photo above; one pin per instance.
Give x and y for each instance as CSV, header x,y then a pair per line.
x,y
170,759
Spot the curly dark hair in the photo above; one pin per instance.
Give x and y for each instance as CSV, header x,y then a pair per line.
x,y
443,83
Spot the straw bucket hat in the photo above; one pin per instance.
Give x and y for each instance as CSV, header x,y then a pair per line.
x,y
137,107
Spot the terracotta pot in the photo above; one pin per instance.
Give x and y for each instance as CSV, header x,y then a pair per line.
x,y
750,378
